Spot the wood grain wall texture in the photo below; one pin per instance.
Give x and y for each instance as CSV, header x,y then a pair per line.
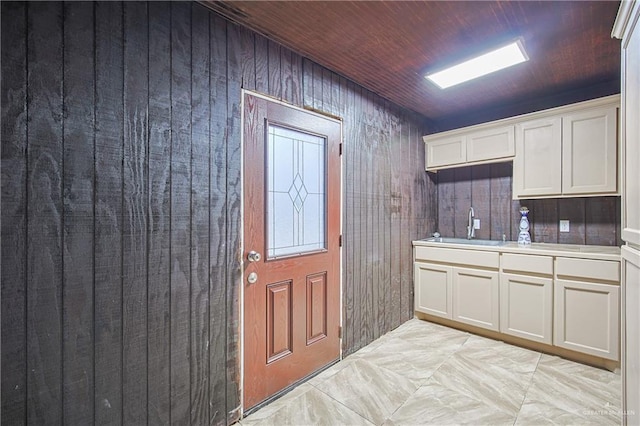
x,y
121,162
593,220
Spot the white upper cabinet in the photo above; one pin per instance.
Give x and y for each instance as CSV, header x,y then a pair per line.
x,y
476,145
569,151
490,144
589,151
537,167
446,151
572,153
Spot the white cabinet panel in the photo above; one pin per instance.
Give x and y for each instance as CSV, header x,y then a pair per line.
x,y
537,166
526,307
433,289
476,297
491,144
589,151
447,151
587,317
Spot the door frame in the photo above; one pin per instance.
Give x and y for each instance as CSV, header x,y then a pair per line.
x,y
244,94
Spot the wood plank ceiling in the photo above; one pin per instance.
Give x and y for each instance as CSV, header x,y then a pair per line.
x,y
388,47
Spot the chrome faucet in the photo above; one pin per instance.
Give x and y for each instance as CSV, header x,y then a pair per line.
x,y
470,231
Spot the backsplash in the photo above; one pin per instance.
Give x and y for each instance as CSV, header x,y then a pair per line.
x,y
487,187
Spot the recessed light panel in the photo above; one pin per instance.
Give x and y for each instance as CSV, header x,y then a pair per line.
x,y
495,60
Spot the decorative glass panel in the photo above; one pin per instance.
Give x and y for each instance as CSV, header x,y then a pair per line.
x,y
296,192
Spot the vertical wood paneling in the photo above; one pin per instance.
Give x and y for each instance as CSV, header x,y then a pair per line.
x,y
500,202
180,212
45,214
360,232
572,209
200,155
237,61
481,199
406,271
593,220
135,214
294,84
13,98
274,69
349,231
247,57
396,204
262,64
446,202
218,223
543,220
121,202
108,212
462,200
158,308
598,215
78,183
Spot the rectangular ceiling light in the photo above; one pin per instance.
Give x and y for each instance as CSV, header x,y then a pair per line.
x,y
495,60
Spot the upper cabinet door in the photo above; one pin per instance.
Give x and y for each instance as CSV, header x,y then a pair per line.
x,y
491,144
537,166
447,151
590,157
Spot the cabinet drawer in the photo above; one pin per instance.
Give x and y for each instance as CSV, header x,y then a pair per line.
x,y
527,263
588,269
483,259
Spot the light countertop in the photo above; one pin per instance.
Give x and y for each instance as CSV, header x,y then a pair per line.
x,y
543,249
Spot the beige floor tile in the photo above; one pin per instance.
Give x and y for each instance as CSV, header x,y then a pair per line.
x,y
309,408
434,404
407,359
371,391
424,373
566,392
502,387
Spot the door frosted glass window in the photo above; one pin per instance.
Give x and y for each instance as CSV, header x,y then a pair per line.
x,y
296,192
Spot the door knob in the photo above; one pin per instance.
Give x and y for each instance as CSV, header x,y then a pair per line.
x,y
252,278
254,256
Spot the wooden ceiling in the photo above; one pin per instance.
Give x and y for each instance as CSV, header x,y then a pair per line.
x,y
388,47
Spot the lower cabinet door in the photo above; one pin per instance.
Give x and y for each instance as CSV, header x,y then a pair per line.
x,y
526,307
587,318
476,297
433,289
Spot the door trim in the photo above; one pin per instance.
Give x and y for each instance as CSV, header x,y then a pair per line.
x,y
316,112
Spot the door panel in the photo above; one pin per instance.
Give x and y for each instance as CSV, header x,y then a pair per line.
x,y
292,219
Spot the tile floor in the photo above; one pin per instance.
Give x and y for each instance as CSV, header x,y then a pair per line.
x,y
424,373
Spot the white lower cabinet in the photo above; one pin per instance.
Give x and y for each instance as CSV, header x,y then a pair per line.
x,y
587,306
587,317
433,289
476,297
526,307
567,302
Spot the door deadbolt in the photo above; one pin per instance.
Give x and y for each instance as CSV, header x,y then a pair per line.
x,y
254,256
252,278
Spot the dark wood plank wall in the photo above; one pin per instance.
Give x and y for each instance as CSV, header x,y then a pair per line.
x,y
593,220
121,162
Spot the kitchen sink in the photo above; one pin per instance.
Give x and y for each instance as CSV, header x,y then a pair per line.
x,y
445,240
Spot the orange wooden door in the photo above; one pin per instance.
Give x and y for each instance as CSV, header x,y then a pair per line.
x,y
292,222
